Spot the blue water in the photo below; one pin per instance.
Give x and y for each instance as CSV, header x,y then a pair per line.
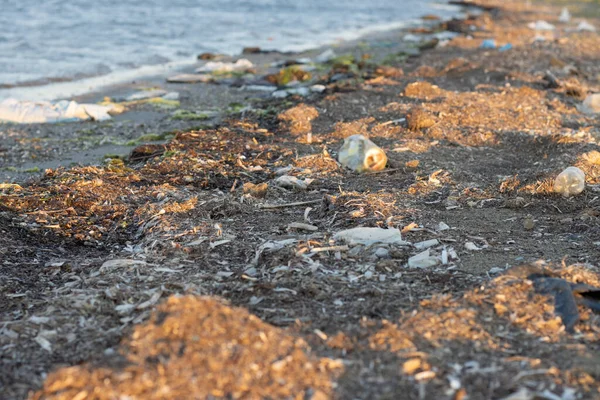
x,y
46,40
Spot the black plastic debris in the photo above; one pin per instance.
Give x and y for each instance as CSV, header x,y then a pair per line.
x,y
567,295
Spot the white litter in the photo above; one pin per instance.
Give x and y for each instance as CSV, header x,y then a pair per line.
x,y
325,56
472,246
31,112
591,104
219,66
541,25
565,15
426,244
570,182
318,88
370,236
585,26
291,182
146,94
423,260
442,226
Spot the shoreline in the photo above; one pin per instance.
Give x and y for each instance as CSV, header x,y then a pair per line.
x,y
193,269
66,145
73,89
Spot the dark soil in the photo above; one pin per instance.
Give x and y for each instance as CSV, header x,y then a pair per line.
x,y
177,273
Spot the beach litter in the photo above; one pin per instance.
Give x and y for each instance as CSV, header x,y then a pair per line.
x,y
362,155
591,104
488,44
30,112
541,25
565,15
220,67
291,182
570,182
146,94
585,26
370,236
567,295
190,78
423,260
325,56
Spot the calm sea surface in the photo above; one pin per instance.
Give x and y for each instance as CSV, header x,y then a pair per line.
x,y
41,41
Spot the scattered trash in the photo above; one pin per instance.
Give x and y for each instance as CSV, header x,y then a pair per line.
x,y
412,38
423,260
260,88
360,154
472,246
488,44
528,222
30,112
303,227
426,244
370,236
291,182
585,26
541,26
570,182
445,35
506,47
171,96
566,294
591,104
219,66
190,78
146,94
325,56
318,88
442,226
565,15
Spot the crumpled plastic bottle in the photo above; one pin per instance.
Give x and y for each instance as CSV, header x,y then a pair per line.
x,y
570,182
362,155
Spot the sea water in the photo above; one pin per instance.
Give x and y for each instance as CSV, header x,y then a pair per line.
x,y
49,41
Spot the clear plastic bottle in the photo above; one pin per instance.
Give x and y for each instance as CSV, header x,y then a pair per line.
x,y
570,182
361,155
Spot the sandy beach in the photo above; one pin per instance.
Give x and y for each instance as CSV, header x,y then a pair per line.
x,y
194,248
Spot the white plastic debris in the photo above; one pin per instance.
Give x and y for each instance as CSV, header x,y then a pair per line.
x,y
325,56
585,26
171,96
541,25
260,88
426,244
442,226
370,236
591,104
190,78
219,66
30,112
565,15
318,88
280,94
146,94
412,38
291,182
423,260
570,182
361,155
472,246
